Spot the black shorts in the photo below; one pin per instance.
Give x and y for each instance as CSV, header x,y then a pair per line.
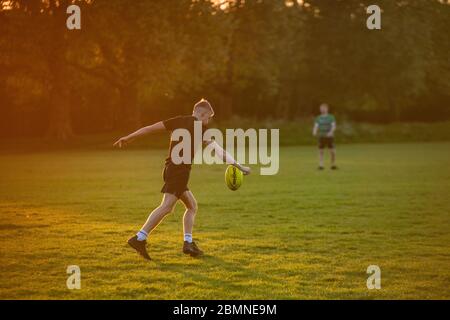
x,y
176,178
326,141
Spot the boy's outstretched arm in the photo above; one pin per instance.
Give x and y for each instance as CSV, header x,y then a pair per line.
x,y
159,126
333,128
223,154
315,128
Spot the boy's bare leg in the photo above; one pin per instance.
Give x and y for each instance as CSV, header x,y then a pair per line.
x,y
333,158
167,204
321,156
189,246
191,209
138,242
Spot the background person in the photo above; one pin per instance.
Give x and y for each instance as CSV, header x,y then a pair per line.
x,y
324,128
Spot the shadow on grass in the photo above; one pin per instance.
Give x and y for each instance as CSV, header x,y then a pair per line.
x,y
210,271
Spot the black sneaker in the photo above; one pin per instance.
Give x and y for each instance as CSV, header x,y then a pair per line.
x,y
333,168
192,249
139,246
319,168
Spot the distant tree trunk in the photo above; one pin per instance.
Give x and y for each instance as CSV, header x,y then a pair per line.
x,y
226,109
227,104
60,125
129,116
284,100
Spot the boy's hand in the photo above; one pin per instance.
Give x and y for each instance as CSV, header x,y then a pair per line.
x,y
245,170
121,142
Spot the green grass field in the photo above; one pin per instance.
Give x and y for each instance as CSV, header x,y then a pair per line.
x,y
302,234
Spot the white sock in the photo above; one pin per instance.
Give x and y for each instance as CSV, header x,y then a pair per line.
x,y
188,237
142,235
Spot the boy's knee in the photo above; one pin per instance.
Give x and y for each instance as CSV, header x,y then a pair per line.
x,y
167,208
192,206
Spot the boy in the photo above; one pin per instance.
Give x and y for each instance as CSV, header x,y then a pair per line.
x,y
176,177
325,125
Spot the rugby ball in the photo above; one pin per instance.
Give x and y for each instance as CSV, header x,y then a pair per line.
x,y
233,177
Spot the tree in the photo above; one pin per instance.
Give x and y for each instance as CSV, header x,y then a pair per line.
x,y
43,33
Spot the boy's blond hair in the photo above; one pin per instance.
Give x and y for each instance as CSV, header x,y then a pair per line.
x,y
203,104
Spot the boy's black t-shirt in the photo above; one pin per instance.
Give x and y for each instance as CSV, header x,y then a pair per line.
x,y
184,122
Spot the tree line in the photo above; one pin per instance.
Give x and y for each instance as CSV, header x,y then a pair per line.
x,y
134,62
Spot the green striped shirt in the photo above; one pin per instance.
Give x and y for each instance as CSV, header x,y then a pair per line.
x,y
324,121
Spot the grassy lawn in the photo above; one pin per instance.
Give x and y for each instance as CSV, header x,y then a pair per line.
x,y
302,234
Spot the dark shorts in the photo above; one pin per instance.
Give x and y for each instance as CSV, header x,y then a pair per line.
x,y
176,179
326,141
